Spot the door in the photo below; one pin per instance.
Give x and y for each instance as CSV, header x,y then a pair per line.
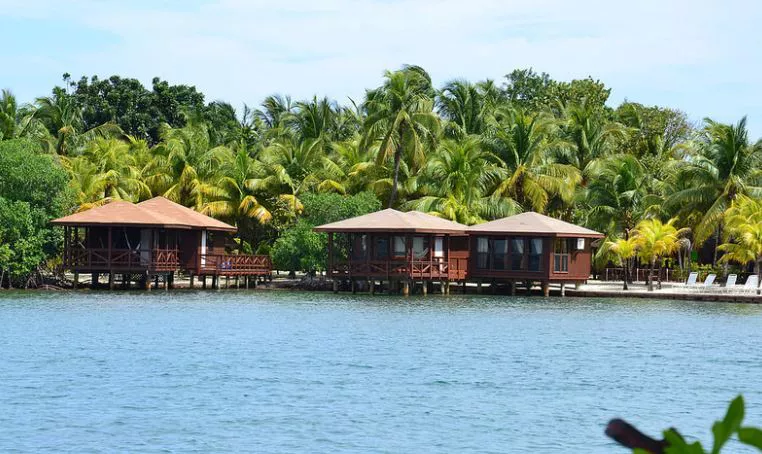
x,y
203,248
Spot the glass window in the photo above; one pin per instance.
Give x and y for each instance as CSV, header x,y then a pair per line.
x,y
400,248
499,253
482,253
381,250
535,254
517,254
439,247
561,255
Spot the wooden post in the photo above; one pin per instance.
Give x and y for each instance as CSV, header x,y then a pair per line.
x,y
237,283
372,286
170,280
479,287
463,285
406,287
246,279
425,288
513,288
111,280
335,286
190,285
94,281
330,253
353,285
156,282
563,288
74,284
545,289
146,280
577,285
227,281
529,287
203,281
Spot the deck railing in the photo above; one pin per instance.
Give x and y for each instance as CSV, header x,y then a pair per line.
x,y
79,258
241,265
435,268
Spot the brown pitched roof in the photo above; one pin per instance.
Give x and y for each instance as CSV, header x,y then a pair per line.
x,y
390,220
157,212
183,215
534,223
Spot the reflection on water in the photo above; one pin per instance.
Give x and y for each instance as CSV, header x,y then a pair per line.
x,y
313,372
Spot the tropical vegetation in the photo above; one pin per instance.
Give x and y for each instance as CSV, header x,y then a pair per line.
x,y
466,151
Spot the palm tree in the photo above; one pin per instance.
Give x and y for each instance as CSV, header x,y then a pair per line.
x,y
619,194
466,106
588,136
722,165
183,162
655,240
624,250
232,196
521,143
400,116
458,178
743,232
119,169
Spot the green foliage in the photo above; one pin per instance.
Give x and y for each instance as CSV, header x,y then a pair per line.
x,y
722,431
299,248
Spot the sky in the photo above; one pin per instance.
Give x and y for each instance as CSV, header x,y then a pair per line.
x,y
701,56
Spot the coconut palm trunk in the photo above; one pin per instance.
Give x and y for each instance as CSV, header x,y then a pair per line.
x,y
649,279
626,274
395,181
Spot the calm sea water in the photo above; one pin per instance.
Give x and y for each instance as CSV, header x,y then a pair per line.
x,y
297,372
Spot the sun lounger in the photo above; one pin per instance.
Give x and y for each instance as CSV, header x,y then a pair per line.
x,y
691,282
752,282
708,282
730,282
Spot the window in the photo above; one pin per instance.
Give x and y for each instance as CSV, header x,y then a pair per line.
x,y
420,247
482,253
499,253
400,248
381,246
359,246
517,254
561,256
535,254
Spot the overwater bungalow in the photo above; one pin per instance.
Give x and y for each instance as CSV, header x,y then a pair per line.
x,y
150,239
528,248
397,249
407,248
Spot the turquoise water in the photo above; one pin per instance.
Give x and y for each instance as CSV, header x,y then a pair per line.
x,y
293,372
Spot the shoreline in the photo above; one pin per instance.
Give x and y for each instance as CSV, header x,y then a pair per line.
x,y
592,289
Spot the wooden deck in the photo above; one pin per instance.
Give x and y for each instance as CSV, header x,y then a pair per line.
x,y
431,269
121,260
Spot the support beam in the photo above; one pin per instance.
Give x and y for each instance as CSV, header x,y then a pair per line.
x,y
111,280
203,281
545,289
442,287
563,288
425,288
406,287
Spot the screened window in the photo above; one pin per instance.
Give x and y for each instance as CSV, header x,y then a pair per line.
x,y
360,246
561,256
517,254
499,253
482,253
535,254
400,248
420,247
381,248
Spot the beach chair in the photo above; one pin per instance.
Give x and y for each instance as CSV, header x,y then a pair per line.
x,y
730,282
752,282
691,282
708,282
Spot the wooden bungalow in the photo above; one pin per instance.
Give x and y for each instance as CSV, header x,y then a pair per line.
x,y
396,248
151,239
529,248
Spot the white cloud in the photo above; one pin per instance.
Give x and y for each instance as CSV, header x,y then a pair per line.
x,y
241,51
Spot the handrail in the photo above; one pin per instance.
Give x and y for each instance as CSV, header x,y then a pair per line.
x,y
236,264
424,268
158,259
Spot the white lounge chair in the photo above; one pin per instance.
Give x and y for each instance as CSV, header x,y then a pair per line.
x,y
752,282
708,282
691,282
730,282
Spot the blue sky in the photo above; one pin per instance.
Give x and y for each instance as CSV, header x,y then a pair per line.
x,y
700,56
